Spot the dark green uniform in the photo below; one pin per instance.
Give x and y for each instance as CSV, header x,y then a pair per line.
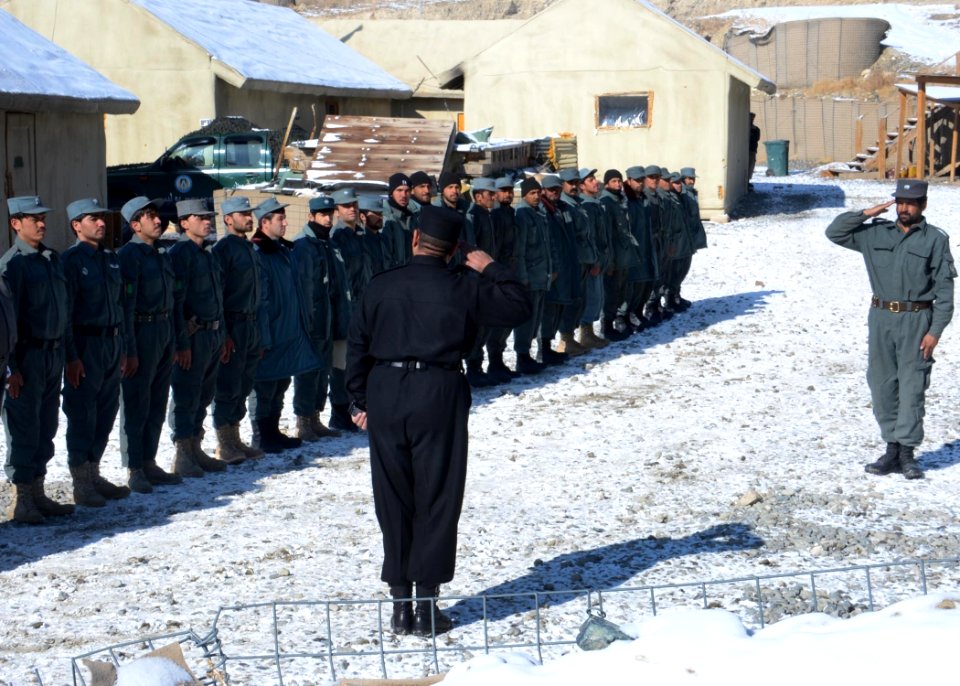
x,y
504,222
534,267
563,296
148,335
198,327
240,272
94,337
39,287
321,263
912,267
625,255
597,223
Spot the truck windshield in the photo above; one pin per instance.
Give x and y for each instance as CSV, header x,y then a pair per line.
x,y
197,152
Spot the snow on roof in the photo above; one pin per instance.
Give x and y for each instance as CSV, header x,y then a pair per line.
x,y
270,45
925,32
36,74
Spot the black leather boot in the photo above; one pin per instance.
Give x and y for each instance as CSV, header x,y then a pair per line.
x,y
908,465
340,419
401,623
551,356
888,463
475,376
427,618
528,365
611,333
498,370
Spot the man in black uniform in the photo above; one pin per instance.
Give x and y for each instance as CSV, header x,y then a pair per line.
x,y
407,341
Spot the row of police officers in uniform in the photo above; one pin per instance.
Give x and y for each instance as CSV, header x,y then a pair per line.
x,y
229,323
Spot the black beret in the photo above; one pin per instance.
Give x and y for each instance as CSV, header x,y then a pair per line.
x,y
441,223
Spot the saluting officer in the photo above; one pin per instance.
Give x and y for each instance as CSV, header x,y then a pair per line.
x,y
198,331
32,404
148,345
408,379
322,266
94,351
911,272
240,272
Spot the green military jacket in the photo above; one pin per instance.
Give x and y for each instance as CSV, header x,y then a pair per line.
x,y
584,231
625,248
912,266
147,286
39,287
534,253
197,290
597,216
94,291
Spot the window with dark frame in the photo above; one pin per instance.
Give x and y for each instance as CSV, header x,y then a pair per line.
x,y
624,111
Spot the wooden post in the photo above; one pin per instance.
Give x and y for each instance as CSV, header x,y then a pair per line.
x,y
902,120
882,149
858,136
953,145
283,144
921,129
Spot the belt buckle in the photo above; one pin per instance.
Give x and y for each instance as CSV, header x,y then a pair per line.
x,y
894,306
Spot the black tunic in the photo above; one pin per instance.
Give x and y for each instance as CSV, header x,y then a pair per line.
x,y
417,418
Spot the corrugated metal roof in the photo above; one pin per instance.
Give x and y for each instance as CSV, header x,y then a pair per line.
x,y
36,74
273,47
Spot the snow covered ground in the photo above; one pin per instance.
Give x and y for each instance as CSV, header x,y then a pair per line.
x,y
929,33
627,468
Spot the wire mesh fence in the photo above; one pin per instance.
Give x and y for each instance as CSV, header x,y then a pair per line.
x,y
302,642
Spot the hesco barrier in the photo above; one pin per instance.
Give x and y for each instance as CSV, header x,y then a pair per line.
x,y
311,642
819,129
797,54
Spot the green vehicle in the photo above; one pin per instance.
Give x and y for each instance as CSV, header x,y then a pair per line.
x,y
196,166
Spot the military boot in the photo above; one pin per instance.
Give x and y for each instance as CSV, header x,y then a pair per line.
x,y
888,463
402,620
611,334
288,442
320,429
427,618
183,464
340,419
496,369
651,310
84,494
680,304
202,460
47,507
23,509
272,441
908,465
589,337
475,376
569,346
138,482
305,430
528,365
251,452
157,477
227,449
551,356
108,490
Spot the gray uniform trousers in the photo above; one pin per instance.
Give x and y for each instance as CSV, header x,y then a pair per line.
x,y
91,407
310,389
897,374
194,388
524,334
34,414
235,378
143,397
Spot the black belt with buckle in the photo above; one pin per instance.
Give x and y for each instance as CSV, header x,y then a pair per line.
x,y
417,365
96,331
240,316
152,316
42,343
203,325
897,306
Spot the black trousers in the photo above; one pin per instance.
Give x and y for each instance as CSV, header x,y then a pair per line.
x,y
417,421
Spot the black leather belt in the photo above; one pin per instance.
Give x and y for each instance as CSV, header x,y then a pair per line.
x,y
96,331
42,343
901,305
240,316
152,316
417,365
203,325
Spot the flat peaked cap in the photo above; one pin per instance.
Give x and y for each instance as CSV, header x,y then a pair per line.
x,y
371,203
397,180
570,175
345,196
636,173
483,184
652,170
504,182
197,206
134,205
551,181
675,177
78,209
26,204
237,203
688,173
910,189
420,178
441,223
268,206
586,172
322,203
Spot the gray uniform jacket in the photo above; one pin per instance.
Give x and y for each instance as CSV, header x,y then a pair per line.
x,y
94,291
534,253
